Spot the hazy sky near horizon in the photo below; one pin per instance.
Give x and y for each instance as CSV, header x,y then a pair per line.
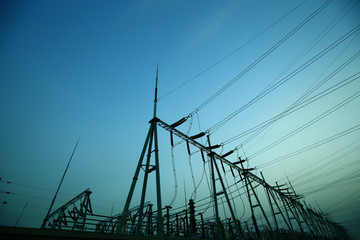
x,y
86,69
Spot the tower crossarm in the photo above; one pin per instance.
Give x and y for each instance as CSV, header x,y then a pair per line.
x,y
81,195
219,157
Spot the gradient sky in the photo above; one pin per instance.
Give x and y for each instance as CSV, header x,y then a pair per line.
x,y
86,69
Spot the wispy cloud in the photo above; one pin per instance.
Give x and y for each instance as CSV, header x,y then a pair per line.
x,y
212,24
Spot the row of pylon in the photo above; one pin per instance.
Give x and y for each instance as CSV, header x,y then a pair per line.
x,y
300,221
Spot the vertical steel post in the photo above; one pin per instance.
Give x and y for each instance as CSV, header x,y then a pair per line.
x,y
212,160
319,221
168,232
143,193
186,223
22,212
87,208
296,211
57,191
122,223
152,135
311,227
237,228
271,206
149,220
177,225
286,209
279,210
259,204
247,182
157,166
314,222
193,228
158,187
247,227
202,226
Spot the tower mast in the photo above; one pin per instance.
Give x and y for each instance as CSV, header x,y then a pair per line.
x,y
157,172
156,89
150,139
57,191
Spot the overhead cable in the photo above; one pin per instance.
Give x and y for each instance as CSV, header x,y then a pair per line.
x,y
288,77
233,52
309,147
262,57
297,106
308,92
308,124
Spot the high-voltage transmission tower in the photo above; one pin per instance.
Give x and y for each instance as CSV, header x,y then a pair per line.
x,y
284,218
151,139
298,220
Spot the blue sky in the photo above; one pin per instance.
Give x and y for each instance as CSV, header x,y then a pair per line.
x,y
86,69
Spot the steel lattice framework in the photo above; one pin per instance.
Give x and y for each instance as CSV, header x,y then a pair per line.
x,y
300,221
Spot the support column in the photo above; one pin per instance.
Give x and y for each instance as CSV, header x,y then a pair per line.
x,y
271,207
122,223
158,187
143,193
237,228
217,219
152,136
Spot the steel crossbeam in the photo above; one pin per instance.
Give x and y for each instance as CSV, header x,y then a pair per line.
x,y
87,191
222,159
289,197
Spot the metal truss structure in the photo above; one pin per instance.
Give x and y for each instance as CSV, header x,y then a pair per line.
x,y
77,215
298,220
301,221
72,215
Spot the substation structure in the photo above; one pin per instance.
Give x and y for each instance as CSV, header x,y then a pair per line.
x,y
298,221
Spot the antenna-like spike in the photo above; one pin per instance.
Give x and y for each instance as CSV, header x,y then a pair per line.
x,y
57,191
22,212
156,89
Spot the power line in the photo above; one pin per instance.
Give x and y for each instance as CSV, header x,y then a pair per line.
x,y
233,52
327,173
308,92
293,108
33,187
285,79
308,124
47,190
309,147
326,164
262,57
348,179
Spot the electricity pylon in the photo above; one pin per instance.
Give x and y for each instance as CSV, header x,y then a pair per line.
x,y
151,139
